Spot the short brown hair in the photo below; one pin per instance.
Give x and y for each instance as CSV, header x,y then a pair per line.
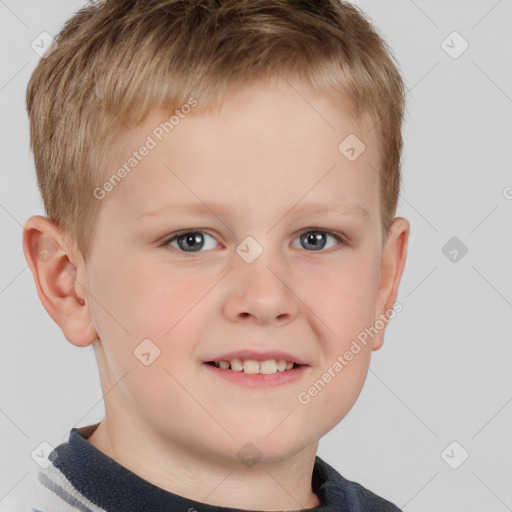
x,y
115,61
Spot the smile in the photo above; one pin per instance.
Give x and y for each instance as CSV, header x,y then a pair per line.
x,y
253,366
258,375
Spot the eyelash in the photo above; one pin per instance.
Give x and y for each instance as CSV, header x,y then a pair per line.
x,y
339,238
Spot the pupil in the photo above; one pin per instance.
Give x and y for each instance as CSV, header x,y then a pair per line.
x,y
190,239
316,239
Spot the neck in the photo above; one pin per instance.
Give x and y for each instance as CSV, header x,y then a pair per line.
x,y
284,484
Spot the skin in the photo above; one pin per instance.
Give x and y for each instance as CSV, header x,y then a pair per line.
x,y
174,423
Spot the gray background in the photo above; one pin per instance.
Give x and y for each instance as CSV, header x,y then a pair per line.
x,y
443,374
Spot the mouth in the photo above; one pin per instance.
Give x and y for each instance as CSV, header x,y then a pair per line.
x,y
254,366
256,370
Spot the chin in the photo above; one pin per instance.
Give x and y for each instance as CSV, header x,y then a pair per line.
x,y
272,445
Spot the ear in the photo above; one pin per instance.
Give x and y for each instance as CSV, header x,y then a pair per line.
x,y
393,259
54,269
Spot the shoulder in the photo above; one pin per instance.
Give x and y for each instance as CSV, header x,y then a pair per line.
x,y
50,491
352,495
369,501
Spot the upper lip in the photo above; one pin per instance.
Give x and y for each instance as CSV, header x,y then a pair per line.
x,y
258,356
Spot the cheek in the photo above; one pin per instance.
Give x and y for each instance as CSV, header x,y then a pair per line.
x,y
145,299
345,300
345,387
345,305
332,391
140,303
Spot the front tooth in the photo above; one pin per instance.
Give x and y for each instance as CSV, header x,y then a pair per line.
x,y
224,365
269,366
289,365
236,365
281,365
251,366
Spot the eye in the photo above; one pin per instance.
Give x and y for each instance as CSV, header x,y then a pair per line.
x,y
190,241
317,238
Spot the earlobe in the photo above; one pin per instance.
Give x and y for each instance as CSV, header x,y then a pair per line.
x,y
48,257
393,260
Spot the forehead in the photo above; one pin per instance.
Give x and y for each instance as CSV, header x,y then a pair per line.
x,y
267,145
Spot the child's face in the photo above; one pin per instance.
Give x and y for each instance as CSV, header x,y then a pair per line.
x,y
247,171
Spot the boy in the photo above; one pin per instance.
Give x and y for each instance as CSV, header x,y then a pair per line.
x,y
267,133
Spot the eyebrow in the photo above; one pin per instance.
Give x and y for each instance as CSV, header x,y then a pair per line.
x,y
337,208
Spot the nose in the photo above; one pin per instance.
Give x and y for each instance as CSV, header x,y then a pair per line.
x,y
259,293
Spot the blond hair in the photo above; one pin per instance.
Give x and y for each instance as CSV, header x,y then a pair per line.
x,y
116,61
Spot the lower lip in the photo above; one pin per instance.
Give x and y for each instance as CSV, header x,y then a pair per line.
x,y
258,380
